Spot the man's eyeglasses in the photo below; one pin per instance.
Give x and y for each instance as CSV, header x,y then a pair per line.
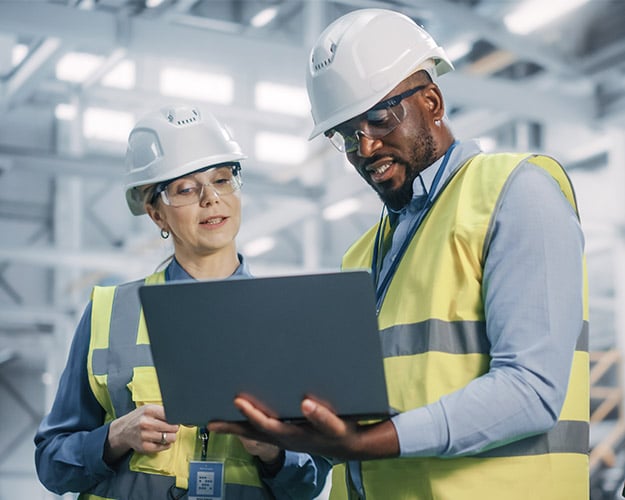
x,y
189,189
374,123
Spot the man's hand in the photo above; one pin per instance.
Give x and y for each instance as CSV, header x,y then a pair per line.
x,y
265,452
143,430
324,433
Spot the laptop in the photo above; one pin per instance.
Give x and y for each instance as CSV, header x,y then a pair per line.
x,y
275,340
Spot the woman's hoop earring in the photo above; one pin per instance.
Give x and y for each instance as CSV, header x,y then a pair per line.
x,y
164,234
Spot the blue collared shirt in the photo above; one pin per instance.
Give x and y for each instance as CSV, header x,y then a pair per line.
x,y
533,299
533,303
70,439
532,289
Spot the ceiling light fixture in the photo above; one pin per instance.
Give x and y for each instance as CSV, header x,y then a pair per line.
x,y
107,124
279,98
76,67
18,53
264,17
64,111
341,209
122,76
280,148
190,84
535,14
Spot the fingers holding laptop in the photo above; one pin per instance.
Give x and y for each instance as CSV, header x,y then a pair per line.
x,y
324,433
143,430
324,420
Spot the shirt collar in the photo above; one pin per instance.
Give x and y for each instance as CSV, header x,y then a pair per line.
x,y
175,272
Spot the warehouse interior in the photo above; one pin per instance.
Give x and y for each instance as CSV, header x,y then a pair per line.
x,y
76,74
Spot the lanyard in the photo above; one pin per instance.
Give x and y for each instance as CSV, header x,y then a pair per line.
x,y
203,436
382,288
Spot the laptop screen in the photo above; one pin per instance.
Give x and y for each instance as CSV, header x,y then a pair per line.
x,y
274,339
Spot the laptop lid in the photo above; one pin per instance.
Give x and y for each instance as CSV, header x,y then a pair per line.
x,y
273,339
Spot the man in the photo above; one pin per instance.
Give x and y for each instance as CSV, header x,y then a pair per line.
x,y
479,276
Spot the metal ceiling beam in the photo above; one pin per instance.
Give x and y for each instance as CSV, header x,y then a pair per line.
x,y
257,177
460,89
6,354
260,57
25,315
278,216
463,19
473,123
104,31
522,100
44,19
614,114
27,76
111,61
133,100
109,168
119,262
608,59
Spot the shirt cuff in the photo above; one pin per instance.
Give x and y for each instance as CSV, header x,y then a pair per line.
x,y
421,432
93,452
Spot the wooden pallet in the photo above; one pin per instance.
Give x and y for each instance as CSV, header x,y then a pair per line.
x,y
608,399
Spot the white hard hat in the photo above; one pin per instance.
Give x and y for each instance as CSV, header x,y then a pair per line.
x,y
171,142
360,58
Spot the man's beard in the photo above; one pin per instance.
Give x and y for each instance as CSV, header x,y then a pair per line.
x,y
423,155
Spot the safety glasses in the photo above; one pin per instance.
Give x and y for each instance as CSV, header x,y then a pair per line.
x,y
374,123
189,189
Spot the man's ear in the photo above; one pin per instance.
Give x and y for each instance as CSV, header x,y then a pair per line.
x,y
434,103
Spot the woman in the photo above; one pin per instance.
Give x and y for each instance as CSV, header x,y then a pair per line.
x,y
106,435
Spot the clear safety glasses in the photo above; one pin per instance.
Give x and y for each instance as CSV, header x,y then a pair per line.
x,y
374,123
189,189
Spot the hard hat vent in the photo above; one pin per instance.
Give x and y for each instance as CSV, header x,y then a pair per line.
x,y
183,116
323,55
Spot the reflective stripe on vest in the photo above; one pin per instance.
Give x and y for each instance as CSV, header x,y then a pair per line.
x,y
122,377
460,337
123,353
432,329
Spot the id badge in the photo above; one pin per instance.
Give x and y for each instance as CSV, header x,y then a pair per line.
x,y
206,480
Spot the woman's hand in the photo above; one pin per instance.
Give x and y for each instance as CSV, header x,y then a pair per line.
x,y
143,430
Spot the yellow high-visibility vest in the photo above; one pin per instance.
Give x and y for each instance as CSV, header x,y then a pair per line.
x,y
122,377
433,332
